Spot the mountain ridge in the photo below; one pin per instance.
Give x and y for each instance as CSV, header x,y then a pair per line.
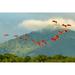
x,y
23,45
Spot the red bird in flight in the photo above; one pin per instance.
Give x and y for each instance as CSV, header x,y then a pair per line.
x,y
54,21
56,37
68,24
64,25
60,32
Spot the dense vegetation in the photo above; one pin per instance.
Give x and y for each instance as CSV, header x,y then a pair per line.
x,y
39,58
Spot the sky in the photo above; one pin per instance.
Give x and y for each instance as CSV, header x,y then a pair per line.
x,y
21,23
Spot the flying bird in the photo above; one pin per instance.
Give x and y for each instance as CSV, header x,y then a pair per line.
x,y
37,43
64,25
66,30
43,41
56,37
53,39
6,34
68,24
16,35
60,32
54,21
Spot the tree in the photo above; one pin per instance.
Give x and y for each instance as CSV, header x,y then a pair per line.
x,y
40,58
27,59
58,57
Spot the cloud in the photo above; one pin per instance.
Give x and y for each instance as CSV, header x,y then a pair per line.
x,y
41,24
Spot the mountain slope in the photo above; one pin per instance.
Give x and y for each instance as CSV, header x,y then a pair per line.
x,y
23,45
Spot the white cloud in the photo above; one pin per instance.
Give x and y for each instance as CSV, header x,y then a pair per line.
x,y
40,24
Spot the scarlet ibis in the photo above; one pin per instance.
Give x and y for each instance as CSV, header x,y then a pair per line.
x,y
6,34
60,32
37,43
33,41
56,37
44,41
53,39
54,21
15,35
68,24
66,30
64,25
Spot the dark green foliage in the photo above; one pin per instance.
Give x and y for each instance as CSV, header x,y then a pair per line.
x,y
27,59
39,58
58,57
